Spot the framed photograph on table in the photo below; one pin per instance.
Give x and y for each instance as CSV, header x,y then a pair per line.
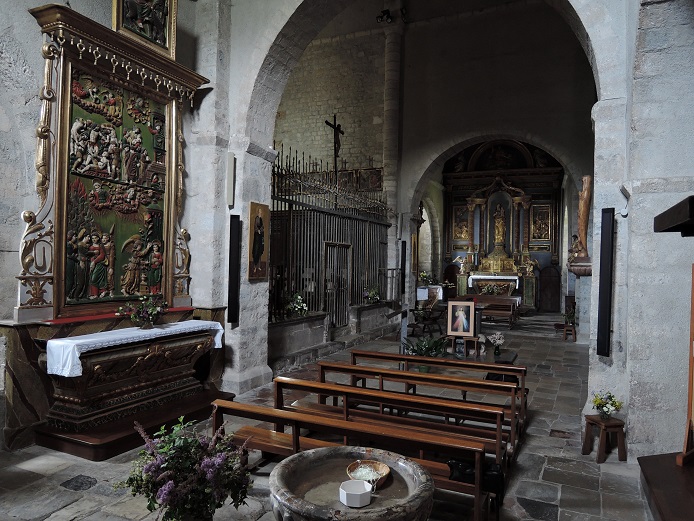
x,y
148,22
461,319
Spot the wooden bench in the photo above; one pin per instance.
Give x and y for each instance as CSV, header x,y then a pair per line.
x,y
502,306
410,380
482,423
398,439
406,362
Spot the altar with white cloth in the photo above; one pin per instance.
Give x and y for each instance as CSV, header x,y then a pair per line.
x,y
102,377
63,354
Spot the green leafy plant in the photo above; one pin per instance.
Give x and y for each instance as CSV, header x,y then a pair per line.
x,y
371,294
492,289
145,310
570,316
187,474
297,305
427,278
425,346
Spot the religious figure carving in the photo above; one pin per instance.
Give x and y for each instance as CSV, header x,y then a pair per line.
x,y
577,249
583,214
499,225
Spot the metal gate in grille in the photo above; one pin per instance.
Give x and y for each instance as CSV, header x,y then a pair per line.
x,y
337,269
328,241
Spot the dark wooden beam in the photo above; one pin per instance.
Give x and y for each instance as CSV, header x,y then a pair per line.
x,y
678,218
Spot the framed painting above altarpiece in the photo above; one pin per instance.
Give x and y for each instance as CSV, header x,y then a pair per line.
x,y
540,224
150,22
460,224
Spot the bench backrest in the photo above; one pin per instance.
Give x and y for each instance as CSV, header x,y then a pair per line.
x,y
449,363
414,378
452,445
352,394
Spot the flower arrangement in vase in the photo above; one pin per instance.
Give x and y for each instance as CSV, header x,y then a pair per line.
x,y
297,306
145,312
497,340
606,404
186,474
371,294
427,279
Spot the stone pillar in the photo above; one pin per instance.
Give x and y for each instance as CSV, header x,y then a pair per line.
x,y
391,126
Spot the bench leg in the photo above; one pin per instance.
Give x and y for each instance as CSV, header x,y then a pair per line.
x,y
621,448
602,447
587,440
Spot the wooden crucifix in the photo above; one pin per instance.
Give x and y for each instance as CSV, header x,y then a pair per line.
x,y
337,130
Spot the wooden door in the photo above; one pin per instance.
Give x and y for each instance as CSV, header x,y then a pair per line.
x,y
550,289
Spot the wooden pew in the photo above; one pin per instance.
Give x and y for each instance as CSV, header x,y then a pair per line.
x,y
503,306
519,372
396,438
410,380
370,405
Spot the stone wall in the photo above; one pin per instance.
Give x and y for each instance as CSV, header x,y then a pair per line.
x,y
344,76
658,279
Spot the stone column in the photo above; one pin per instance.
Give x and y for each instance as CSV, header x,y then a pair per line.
x,y
391,126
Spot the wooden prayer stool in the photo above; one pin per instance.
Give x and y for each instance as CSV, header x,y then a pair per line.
x,y
607,428
570,329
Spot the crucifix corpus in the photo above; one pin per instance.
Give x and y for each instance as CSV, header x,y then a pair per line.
x,y
337,130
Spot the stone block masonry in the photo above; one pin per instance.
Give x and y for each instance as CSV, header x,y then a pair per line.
x,y
346,77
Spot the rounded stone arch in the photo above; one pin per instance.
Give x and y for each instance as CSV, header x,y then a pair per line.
x,y
596,26
302,26
432,172
435,227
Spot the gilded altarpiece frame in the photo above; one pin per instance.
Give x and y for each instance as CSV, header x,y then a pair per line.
x,y
541,227
109,174
461,233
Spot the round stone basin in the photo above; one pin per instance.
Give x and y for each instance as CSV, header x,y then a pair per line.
x,y
306,487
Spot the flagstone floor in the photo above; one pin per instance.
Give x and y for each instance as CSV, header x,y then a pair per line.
x,y
550,480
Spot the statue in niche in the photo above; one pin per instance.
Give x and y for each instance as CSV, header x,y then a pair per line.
x,y
577,249
499,225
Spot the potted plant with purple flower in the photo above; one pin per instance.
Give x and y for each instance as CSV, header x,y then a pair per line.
x,y
188,475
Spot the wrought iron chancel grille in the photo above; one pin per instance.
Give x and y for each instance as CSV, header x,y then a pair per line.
x,y
328,239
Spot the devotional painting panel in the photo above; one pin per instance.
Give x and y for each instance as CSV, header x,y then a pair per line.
x,y
540,224
115,193
150,22
461,319
370,180
460,224
259,219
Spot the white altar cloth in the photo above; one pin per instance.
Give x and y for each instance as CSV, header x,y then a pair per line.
x,y
495,278
63,354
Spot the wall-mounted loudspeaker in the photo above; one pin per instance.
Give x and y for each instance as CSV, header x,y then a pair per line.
x,y
605,285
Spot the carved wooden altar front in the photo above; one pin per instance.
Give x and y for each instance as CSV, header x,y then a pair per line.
x,y
136,371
